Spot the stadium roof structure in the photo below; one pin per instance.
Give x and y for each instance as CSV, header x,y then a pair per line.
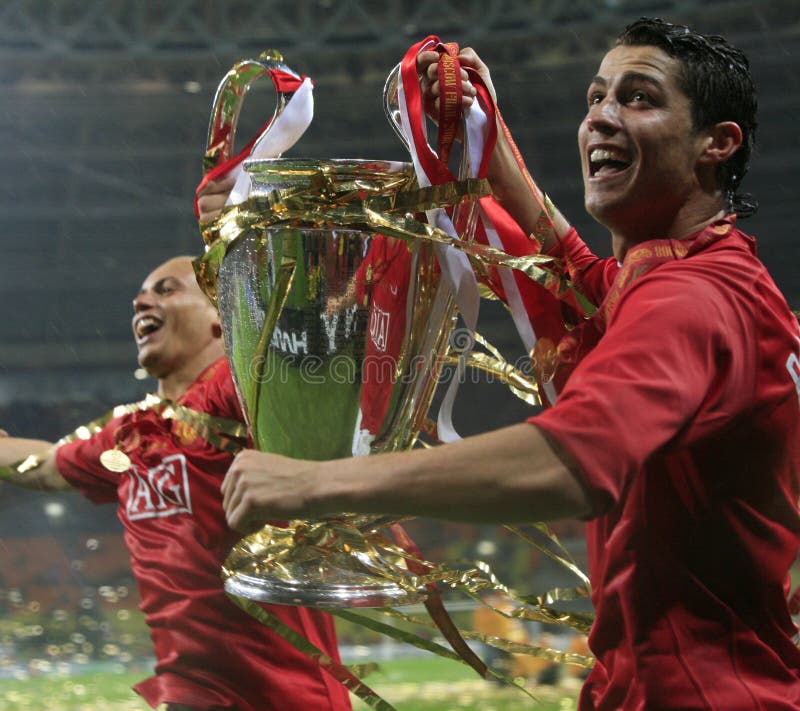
x,y
105,112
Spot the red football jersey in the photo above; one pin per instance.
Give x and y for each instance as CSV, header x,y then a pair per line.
x,y
684,424
209,653
591,275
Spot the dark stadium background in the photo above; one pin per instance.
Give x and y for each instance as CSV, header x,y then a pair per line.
x,y
104,108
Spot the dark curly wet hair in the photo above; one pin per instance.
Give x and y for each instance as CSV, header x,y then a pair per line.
x,y
716,77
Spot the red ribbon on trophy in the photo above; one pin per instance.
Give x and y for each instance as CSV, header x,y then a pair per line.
x,y
450,100
536,311
434,604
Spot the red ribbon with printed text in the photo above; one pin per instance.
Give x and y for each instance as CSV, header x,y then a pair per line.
x,y
542,308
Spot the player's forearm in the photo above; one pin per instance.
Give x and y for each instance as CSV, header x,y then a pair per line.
x,y
12,449
514,193
45,476
509,475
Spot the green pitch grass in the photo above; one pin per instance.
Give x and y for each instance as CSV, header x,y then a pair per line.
x,y
418,684
91,691
435,684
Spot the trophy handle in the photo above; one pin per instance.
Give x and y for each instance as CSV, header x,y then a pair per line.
x,y
228,102
391,104
391,107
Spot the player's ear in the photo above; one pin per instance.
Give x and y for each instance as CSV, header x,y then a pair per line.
x,y
722,141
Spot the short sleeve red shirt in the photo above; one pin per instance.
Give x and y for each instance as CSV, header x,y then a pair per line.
x,y
209,653
683,422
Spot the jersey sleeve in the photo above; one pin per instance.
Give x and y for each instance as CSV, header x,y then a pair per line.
x,y
591,275
674,364
79,463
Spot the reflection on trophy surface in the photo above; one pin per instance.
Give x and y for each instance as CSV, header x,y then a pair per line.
x,y
380,287
335,337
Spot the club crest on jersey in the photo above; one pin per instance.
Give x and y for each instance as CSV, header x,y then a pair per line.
x,y
379,327
159,491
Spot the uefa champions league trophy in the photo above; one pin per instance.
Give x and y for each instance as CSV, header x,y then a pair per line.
x,y
335,334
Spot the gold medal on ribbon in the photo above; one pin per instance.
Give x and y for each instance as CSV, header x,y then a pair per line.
x,y
115,460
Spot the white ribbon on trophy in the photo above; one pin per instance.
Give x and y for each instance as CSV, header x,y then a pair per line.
x,y
279,136
456,270
455,265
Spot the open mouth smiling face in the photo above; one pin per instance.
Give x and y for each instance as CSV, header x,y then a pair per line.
x,y
145,326
607,162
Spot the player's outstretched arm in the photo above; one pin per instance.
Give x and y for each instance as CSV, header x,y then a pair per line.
x,y
44,477
509,475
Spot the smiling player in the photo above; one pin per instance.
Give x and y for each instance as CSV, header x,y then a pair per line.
x,y
676,435
209,653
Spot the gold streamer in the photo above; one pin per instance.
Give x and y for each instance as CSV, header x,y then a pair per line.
x,y
565,560
542,269
495,365
398,634
337,670
321,201
325,204
475,577
268,551
417,640
532,650
363,670
219,432
283,284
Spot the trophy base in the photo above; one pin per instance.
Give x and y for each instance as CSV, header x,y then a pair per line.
x,y
334,563
319,592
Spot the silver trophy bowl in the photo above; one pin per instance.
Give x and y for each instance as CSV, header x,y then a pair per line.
x,y
336,337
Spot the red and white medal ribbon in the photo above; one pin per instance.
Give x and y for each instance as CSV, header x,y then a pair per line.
x,y
278,137
275,137
431,169
496,227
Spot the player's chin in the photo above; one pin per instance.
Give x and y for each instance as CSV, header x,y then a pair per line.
x,y
604,208
150,361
